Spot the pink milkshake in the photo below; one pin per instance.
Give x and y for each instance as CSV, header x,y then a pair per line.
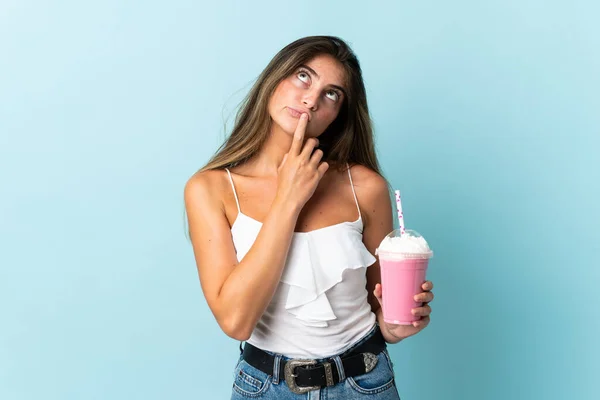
x,y
403,260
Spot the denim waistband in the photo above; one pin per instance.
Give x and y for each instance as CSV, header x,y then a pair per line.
x,y
374,330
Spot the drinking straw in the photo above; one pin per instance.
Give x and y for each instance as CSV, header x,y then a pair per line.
x,y
400,215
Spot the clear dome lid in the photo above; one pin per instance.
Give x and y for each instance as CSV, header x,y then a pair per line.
x,y
410,244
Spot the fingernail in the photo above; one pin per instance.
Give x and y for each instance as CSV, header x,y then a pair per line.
x,y
304,116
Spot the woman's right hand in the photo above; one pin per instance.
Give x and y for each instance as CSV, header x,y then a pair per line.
x,y
300,172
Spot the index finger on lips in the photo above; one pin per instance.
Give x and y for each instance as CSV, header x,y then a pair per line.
x,y
296,147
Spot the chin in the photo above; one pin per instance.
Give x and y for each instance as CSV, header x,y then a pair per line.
x,y
288,125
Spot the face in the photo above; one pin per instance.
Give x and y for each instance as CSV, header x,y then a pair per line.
x,y
316,88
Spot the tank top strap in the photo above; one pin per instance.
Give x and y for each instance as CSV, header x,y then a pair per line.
x,y
234,192
353,192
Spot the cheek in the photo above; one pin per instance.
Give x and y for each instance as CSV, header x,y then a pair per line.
x,y
329,116
277,101
287,90
275,98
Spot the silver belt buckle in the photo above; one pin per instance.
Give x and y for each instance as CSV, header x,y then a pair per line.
x,y
290,377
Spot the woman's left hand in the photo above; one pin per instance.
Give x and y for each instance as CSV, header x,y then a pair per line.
x,y
403,331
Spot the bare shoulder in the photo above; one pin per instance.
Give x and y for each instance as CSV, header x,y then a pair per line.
x,y
209,177
205,187
373,195
368,182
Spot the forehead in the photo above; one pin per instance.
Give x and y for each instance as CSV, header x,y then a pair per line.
x,y
330,70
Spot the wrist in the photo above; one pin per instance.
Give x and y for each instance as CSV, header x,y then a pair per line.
x,y
285,215
285,209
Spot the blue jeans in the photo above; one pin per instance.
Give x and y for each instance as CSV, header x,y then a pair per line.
x,y
379,383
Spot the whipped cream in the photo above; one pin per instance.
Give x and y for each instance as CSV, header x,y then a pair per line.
x,y
406,244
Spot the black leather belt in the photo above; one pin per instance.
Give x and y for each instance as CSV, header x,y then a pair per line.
x,y
303,375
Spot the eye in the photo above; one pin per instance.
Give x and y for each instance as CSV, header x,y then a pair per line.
x,y
303,76
333,95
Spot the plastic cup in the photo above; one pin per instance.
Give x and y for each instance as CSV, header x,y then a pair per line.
x,y
403,271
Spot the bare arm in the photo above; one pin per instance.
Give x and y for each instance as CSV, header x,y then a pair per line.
x,y
239,293
379,222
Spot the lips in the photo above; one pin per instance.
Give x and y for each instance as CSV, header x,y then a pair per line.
x,y
297,113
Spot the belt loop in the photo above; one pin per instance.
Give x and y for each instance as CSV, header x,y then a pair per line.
x,y
340,367
276,364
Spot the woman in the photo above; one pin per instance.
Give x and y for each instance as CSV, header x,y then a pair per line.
x,y
284,221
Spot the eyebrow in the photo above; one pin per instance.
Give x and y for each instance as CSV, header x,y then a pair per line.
x,y
313,72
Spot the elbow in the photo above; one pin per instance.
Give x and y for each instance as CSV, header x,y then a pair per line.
x,y
238,335
237,330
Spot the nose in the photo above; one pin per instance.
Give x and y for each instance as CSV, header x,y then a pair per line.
x,y
311,100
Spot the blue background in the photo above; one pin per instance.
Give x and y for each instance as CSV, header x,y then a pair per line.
x,y
487,119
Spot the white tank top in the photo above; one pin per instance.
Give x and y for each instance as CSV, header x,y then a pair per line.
x,y
320,306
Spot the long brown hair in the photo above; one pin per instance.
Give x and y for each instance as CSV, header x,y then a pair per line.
x,y
348,139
